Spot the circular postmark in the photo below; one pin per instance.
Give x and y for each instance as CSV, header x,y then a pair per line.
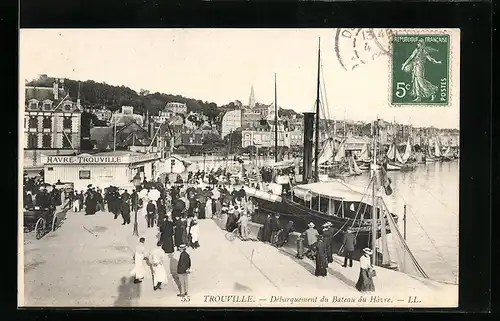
x,y
359,46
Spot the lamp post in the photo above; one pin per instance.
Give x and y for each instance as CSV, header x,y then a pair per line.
x,y
137,183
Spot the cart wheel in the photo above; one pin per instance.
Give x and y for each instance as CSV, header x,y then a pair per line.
x,y
54,222
40,228
230,236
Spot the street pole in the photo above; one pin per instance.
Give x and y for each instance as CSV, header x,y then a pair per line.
x,y
404,221
136,227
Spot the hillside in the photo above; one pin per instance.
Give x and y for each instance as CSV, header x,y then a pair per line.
x,y
94,94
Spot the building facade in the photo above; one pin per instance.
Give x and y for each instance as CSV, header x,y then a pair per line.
x,y
51,120
230,122
176,108
125,116
266,138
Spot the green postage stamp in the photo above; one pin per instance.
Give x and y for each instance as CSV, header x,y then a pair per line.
x,y
420,69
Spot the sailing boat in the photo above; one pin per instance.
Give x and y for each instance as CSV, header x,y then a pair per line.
x,y
353,167
437,149
406,162
394,158
447,155
364,160
430,157
319,202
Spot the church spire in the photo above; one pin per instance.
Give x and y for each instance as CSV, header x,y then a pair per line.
x,y
251,102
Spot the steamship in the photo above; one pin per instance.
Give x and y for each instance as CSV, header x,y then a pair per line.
x,y
318,201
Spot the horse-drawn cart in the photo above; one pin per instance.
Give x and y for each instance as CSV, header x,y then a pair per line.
x,y
40,220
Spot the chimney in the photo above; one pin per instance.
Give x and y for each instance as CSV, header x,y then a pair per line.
x,y
56,89
308,147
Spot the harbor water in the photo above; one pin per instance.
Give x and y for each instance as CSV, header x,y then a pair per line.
x,y
431,196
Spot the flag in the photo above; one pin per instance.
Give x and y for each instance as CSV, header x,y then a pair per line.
x,y
385,181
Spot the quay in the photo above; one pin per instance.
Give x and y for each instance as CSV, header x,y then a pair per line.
x,y
87,261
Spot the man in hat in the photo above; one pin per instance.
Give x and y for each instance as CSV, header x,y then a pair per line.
x,y
275,228
348,243
151,212
311,235
328,239
243,223
183,268
285,234
266,230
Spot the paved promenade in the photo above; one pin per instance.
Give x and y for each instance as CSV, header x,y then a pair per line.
x,y
87,262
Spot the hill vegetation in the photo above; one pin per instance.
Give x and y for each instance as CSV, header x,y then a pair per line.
x,y
96,95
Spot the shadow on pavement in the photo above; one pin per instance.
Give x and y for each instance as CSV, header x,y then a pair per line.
x,y
241,288
128,292
173,271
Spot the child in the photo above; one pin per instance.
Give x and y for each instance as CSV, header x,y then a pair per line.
x,y
194,232
138,270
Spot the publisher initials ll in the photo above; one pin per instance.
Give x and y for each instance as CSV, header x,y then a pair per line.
x,y
413,299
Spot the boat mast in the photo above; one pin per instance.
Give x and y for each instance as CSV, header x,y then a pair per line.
x,y
275,122
374,199
316,143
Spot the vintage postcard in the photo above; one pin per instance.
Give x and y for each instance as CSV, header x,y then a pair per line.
x,y
239,168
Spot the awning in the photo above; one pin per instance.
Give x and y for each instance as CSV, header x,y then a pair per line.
x,y
337,190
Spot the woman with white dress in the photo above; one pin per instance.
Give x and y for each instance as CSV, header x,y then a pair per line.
x,y
138,271
208,208
156,261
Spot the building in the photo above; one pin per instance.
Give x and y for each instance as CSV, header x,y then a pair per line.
x,y
174,164
103,114
265,138
52,123
230,122
125,116
250,118
176,108
131,134
101,169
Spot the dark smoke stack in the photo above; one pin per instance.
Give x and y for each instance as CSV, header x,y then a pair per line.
x,y
308,146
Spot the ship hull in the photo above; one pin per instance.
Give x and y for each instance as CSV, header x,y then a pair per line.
x,y
301,216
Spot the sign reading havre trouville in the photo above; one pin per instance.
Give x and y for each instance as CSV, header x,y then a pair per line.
x,y
83,160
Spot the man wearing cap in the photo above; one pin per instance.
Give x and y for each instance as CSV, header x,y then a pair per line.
x,y
183,268
151,212
275,228
289,228
327,239
348,243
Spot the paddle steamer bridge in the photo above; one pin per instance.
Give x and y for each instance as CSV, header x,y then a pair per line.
x,y
116,168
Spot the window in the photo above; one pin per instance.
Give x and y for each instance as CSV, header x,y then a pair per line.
x,y
47,106
47,122
66,141
50,169
33,122
32,141
33,104
84,174
46,141
67,122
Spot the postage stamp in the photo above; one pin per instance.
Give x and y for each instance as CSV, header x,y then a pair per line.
x,y
420,69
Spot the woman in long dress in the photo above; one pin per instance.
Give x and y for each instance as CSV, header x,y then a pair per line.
x,y
365,281
178,233
321,259
138,271
167,233
415,65
156,261
208,208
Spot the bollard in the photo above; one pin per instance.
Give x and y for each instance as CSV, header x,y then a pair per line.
x,y
300,247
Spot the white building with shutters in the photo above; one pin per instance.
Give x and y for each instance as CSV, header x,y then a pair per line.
x,y
51,123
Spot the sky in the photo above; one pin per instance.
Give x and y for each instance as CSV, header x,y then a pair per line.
x,y
221,65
